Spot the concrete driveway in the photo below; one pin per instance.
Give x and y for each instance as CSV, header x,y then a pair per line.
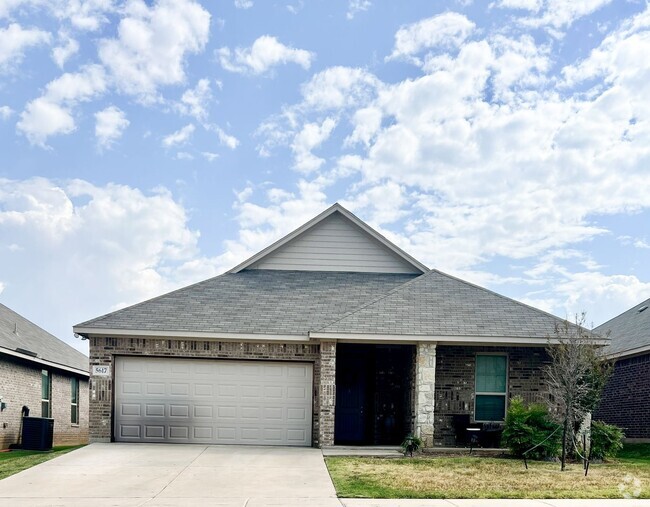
x,y
157,475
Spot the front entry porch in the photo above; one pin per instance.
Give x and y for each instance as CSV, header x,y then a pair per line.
x,y
374,394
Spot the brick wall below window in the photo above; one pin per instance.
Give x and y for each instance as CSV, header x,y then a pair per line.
x,y
455,376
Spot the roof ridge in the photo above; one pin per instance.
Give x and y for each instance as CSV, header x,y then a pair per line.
x,y
85,323
376,300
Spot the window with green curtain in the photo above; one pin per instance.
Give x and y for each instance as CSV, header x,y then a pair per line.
x,y
491,380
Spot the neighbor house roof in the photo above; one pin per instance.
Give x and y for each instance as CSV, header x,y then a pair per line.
x,y
439,305
629,332
251,302
21,338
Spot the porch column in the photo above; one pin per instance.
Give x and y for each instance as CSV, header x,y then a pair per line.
x,y
327,393
425,390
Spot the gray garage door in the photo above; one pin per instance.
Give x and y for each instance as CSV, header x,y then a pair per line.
x,y
212,401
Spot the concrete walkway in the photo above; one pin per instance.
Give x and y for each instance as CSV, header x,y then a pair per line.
x,y
159,475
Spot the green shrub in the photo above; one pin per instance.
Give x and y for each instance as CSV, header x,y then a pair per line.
x,y
411,444
606,440
527,426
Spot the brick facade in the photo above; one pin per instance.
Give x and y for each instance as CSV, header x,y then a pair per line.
x,y
626,397
20,384
455,382
103,350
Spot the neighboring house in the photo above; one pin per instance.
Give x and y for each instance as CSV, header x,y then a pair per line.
x,y
332,335
39,371
626,397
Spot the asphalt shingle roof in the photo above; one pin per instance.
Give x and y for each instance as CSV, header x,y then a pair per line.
x,y
16,332
436,304
629,330
255,301
297,302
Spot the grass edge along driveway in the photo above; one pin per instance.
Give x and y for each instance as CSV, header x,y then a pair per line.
x,y
479,477
12,462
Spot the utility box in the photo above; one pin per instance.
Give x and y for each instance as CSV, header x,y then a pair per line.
x,y
37,433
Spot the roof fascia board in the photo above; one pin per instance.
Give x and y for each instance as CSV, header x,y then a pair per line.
x,y
43,362
457,340
319,218
629,352
137,333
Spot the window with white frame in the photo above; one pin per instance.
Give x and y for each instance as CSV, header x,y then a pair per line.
x,y
46,394
491,387
74,400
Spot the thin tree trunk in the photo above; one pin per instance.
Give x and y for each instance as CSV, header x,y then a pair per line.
x,y
564,435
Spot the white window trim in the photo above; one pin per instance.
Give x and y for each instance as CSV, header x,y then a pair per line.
x,y
49,393
486,393
76,405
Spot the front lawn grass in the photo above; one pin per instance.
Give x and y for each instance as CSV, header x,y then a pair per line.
x,y
478,477
12,462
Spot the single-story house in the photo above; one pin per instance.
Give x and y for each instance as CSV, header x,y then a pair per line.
x,y
331,335
44,374
626,397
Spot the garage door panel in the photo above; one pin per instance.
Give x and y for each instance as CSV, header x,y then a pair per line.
x,y
213,401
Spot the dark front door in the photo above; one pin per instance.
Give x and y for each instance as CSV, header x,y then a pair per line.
x,y
352,411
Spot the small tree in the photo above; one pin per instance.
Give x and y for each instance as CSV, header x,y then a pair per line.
x,y
576,376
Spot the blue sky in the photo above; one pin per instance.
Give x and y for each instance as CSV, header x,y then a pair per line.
x,y
149,145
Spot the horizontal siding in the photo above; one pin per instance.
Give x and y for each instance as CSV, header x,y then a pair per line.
x,y
335,244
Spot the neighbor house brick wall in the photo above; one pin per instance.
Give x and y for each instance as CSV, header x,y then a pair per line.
x,y
455,378
66,433
104,349
20,384
626,397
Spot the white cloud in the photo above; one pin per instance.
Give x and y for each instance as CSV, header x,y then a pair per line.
x,y
357,6
310,137
528,5
87,15
209,156
265,53
338,87
110,124
15,40
226,139
5,112
62,53
181,136
555,14
183,155
51,113
442,31
243,4
491,158
142,241
152,45
194,101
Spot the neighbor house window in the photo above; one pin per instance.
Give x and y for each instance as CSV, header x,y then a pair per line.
x,y
74,400
491,380
46,394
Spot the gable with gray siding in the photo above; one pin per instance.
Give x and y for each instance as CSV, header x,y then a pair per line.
x,y
335,244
